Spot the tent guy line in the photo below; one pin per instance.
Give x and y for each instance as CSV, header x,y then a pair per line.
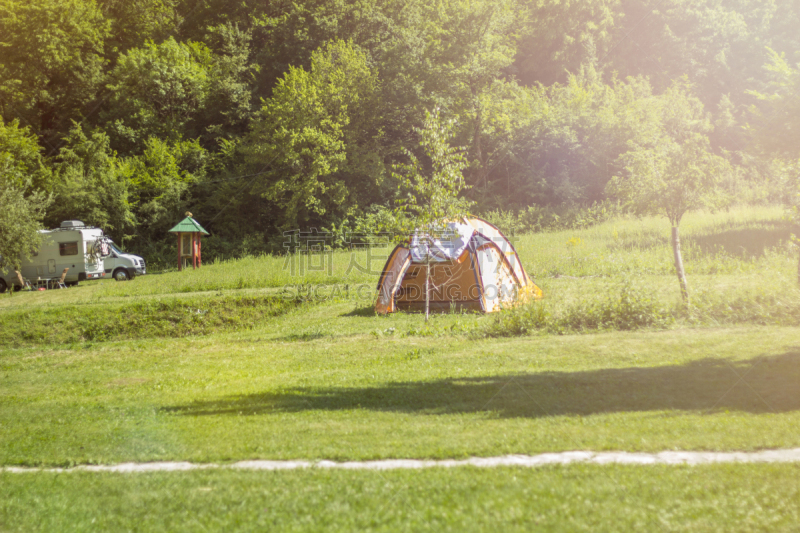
x,y
522,461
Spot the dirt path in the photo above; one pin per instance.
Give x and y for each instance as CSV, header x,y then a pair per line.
x,y
527,461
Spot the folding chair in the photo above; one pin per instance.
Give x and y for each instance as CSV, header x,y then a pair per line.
x,y
23,283
58,283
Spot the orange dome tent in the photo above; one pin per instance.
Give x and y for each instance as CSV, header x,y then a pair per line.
x,y
473,267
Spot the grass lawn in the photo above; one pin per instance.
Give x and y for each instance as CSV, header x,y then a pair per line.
x,y
575,498
216,365
257,394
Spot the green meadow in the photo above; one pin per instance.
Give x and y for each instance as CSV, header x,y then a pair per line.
x,y
246,360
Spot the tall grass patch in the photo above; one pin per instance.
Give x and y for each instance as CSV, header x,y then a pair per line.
x,y
140,319
747,307
629,306
626,307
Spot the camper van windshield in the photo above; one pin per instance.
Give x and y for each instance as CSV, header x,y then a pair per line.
x,y
115,249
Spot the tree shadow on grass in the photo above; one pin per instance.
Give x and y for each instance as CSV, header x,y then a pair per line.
x,y
364,310
760,385
302,337
745,240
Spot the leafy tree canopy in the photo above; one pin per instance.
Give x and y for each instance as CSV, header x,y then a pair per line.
x,y
52,62
276,115
300,135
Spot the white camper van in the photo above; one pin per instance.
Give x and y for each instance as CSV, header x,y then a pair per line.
x,y
75,246
123,266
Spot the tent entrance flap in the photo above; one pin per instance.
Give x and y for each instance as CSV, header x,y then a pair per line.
x,y
451,281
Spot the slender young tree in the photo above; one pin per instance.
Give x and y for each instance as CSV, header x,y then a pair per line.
x,y
674,171
431,193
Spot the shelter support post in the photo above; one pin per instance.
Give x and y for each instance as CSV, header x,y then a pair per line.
x,y
180,259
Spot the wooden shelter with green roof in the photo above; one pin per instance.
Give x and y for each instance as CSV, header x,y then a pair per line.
x,y
190,233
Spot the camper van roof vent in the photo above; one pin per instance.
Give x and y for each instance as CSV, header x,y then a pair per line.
x,y
72,224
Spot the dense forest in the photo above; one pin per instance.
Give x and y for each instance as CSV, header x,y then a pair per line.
x,y
262,117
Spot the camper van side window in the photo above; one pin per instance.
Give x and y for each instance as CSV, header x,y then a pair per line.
x,y
68,248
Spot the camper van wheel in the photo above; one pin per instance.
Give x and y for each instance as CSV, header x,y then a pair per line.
x,y
121,274
3,286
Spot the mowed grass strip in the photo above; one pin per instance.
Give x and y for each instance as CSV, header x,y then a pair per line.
x,y
575,498
259,395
